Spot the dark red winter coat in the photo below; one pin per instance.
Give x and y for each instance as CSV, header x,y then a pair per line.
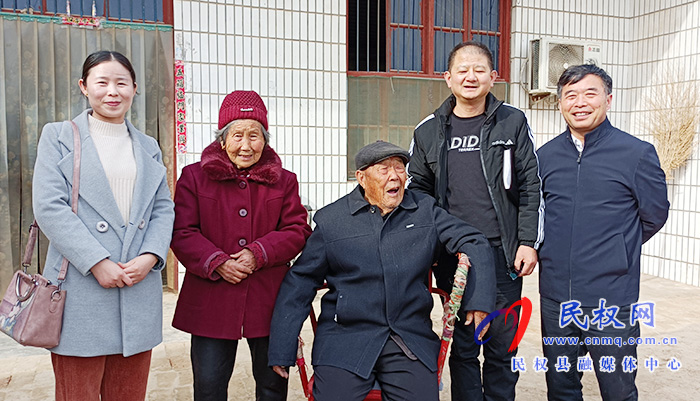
x,y
220,210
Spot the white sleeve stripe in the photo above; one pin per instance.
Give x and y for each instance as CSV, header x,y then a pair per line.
x,y
430,117
408,165
540,209
410,148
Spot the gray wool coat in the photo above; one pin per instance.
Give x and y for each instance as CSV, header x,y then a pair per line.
x,y
96,320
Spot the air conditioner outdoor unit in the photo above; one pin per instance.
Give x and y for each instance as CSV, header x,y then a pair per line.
x,y
549,58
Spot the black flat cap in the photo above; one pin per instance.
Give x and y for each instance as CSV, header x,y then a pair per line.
x,y
378,151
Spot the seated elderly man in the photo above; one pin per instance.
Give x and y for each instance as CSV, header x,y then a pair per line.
x,y
374,248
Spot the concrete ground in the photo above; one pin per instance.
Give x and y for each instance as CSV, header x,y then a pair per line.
x,y
25,373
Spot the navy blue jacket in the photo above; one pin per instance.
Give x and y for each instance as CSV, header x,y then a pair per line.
x,y
601,206
377,271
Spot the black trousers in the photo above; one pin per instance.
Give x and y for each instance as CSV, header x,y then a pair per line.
x,y
399,378
212,366
465,369
615,385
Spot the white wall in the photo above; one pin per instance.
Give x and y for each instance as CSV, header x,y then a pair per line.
x,y
640,39
599,20
293,54
668,36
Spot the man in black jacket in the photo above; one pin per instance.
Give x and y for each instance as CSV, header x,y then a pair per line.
x,y
374,248
476,156
606,195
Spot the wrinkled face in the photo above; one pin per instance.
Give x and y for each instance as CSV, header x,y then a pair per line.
x,y
584,104
109,90
384,183
470,77
244,143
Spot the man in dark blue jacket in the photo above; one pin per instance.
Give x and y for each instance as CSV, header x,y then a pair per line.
x,y
605,195
374,248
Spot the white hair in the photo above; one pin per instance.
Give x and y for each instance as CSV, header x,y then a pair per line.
x,y
221,133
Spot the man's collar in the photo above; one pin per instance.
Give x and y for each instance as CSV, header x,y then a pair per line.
x,y
408,202
357,201
595,134
577,143
447,107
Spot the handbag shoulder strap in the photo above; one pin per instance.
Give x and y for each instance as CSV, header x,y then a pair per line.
x,y
34,228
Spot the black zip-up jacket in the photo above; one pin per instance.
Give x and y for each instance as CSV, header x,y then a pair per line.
x,y
602,205
509,164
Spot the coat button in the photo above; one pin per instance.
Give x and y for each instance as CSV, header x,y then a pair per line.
x,y
102,226
242,184
243,212
242,242
142,224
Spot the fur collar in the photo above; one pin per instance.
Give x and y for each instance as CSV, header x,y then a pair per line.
x,y
218,166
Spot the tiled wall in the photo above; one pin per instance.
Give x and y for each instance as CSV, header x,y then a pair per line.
x,y
668,37
293,54
640,40
597,20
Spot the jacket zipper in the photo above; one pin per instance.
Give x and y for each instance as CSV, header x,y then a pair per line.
x,y
493,201
578,173
438,177
486,177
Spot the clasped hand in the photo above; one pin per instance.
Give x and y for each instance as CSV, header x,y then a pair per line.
x,y
110,274
241,265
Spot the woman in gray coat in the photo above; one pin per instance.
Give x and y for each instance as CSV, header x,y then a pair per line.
x,y
116,244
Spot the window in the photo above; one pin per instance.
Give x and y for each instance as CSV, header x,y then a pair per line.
x,y
394,44
414,37
121,10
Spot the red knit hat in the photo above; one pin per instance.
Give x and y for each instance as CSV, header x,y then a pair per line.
x,y
242,105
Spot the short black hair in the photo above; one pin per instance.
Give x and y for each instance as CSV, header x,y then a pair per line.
x,y
480,48
102,56
576,73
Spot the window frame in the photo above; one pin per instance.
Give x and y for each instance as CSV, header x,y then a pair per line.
x,y
428,40
167,5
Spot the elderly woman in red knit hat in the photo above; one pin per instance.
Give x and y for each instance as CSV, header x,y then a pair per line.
x,y
238,222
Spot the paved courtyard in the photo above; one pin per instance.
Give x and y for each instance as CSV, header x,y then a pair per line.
x,y
25,373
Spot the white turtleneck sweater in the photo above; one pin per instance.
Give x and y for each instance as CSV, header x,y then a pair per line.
x,y
116,152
